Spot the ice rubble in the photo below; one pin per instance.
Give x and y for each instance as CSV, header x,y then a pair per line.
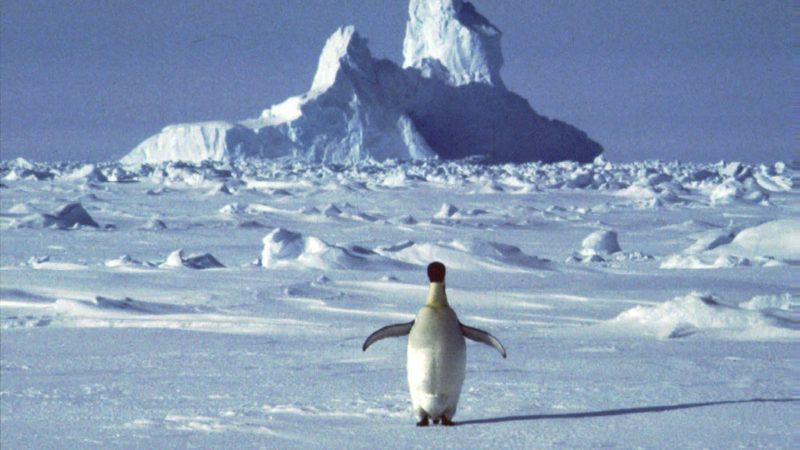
x,y
89,173
643,184
22,169
448,101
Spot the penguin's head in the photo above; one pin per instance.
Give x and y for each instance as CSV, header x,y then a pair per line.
x,y
436,272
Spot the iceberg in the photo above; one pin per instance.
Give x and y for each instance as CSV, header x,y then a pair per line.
x,y
446,101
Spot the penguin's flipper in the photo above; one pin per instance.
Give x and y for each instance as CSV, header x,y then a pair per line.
x,y
396,330
483,337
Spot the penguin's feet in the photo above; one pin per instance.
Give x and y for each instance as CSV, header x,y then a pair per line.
x,y
447,422
436,421
423,422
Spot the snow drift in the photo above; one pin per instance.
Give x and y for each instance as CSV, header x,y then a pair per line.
x,y
285,248
698,312
470,254
447,100
772,243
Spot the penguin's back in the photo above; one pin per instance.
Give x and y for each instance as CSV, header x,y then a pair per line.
x,y
436,360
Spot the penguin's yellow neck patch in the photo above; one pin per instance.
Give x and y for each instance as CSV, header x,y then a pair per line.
x,y
437,298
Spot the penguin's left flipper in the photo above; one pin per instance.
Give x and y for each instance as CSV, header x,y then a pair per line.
x,y
396,330
483,337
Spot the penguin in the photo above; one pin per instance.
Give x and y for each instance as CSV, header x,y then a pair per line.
x,y
436,356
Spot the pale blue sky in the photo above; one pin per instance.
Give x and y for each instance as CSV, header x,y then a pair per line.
x,y
695,80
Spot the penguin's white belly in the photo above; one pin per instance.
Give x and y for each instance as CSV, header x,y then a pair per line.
x,y
436,362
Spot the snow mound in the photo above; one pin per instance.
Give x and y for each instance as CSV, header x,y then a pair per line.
x,y
772,243
732,191
600,243
701,313
120,175
447,101
784,302
71,216
21,209
44,263
88,173
285,248
711,240
601,246
471,255
251,224
446,211
127,262
195,261
407,220
232,209
21,163
656,191
220,189
154,225
708,262
690,226
331,210
778,238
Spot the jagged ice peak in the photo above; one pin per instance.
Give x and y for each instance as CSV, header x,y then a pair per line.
x,y
345,46
450,40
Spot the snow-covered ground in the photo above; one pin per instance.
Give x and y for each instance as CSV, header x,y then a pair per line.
x,y
642,305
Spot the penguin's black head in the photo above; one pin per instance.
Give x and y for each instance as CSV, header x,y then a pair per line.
x,y
436,272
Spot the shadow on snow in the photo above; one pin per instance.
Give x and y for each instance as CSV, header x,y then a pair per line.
x,y
623,411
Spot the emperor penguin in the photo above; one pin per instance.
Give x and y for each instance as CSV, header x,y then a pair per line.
x,y
436,358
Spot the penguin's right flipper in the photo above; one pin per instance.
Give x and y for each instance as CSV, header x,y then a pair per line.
x,y
482,337
396,330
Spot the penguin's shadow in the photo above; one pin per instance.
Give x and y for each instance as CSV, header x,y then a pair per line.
x,y
622,411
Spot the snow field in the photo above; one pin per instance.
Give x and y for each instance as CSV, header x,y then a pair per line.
x,y
113,336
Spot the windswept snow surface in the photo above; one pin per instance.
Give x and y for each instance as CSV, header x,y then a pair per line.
x,y
225,304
